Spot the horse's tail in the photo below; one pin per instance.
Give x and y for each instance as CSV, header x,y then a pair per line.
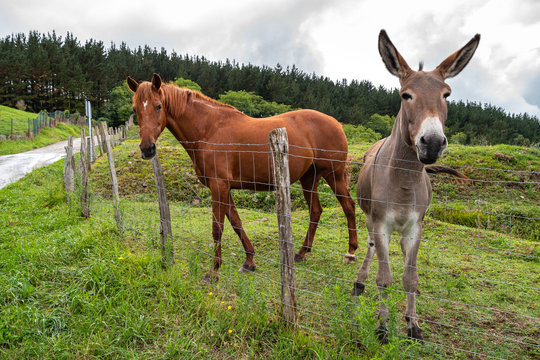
x,y
435,169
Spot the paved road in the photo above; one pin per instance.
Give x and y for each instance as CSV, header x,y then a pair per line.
x,y
13,167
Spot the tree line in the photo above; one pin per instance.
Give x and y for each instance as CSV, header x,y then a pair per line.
x,y
50,73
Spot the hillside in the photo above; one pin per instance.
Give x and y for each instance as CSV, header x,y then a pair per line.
x,y
20,121
505,184
72,287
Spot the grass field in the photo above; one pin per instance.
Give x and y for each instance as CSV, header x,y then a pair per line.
x,y
47,136
74,288
20,120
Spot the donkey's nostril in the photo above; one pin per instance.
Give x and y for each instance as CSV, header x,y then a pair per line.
x,y
153,146
423,140
445,141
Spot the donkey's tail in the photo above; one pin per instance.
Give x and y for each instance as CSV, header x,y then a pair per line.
x,y
435,169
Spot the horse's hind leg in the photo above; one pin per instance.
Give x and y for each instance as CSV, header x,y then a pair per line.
x,y
236,223
310,181
359,284
338,184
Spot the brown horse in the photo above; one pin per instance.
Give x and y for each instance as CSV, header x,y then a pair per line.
x,y
230,150
394,190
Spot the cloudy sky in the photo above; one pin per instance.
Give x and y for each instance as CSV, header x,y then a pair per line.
x,y
336,38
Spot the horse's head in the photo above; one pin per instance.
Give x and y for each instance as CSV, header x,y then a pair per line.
x,y
148,103
423,97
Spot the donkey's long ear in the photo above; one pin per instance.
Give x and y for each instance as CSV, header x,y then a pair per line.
x,y
132,84
391,57
156,81
458,60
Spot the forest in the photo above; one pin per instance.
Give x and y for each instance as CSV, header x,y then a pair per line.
x,y
51,72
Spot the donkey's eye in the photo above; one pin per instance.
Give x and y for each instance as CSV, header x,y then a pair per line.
x,y
446,95
406,96
158,107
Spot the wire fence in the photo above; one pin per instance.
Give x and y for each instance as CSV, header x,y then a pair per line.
x,y
20,129
478,264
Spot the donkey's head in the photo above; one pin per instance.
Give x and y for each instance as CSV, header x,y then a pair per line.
x,y
148,103
423,97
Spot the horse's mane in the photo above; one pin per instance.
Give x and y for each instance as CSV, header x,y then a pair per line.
x,y
176,98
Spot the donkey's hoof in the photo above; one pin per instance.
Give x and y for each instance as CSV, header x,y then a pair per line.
x,y
350,258
298,258
358,288
415,333
210,278
247,268
382,334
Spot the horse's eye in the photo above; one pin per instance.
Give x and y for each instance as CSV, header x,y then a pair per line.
x,y
406,96
446,95
158,107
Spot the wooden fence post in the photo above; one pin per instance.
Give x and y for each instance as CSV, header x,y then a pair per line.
x,y
69,169
84,177
279,145
167,249
112,171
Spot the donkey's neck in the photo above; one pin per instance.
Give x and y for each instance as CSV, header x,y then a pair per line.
x,y
401,158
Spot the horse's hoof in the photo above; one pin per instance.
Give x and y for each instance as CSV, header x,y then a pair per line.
x,y
415,333
350,258
382,334
246,268
298,258
210,278
358,288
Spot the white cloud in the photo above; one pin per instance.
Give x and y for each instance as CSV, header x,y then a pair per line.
x,y
337,39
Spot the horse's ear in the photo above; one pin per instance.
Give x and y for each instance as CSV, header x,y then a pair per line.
x,y
132,84
391,57
458,60
156,82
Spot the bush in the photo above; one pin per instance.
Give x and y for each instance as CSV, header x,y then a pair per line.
x,y
459,138
360,134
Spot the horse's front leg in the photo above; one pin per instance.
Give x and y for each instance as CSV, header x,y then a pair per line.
x,y
236,223
220,194
410,243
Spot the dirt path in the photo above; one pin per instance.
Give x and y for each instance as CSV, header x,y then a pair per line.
x,y
15,166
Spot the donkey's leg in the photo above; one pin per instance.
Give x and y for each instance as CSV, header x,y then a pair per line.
x,y
220,192
310,181
338,184
359,284
236,223
410,242
381,237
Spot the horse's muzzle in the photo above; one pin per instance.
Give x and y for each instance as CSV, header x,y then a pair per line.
x,y
148,152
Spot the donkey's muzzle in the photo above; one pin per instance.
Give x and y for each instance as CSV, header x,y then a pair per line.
x,y
430,148
148,152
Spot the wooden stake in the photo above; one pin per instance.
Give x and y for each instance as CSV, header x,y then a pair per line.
x,y
280,156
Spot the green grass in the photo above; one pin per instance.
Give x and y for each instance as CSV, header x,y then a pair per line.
x,y
20,120
75,288
47,136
